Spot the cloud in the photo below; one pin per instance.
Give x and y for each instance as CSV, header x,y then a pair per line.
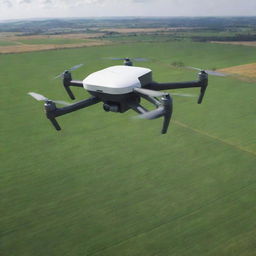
x,y
142,1
53,3
87,8
6,3
25,1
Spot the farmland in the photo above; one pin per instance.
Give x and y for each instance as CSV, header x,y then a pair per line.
x,y
111,185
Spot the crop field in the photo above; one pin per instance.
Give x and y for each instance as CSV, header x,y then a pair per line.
x,y
246,43
10,43
246,70
34,47
108,184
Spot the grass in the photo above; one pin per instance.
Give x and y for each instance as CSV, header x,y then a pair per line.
x,y
7,43
110,185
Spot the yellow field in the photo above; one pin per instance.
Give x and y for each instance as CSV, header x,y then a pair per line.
x,y
63,36
247,70
246,43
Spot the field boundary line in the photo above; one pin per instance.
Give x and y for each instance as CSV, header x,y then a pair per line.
x,y
215,137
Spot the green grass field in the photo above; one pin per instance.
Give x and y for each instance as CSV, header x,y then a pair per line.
x,y
7,43
111,185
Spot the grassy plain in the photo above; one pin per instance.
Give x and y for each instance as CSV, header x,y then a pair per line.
x,y
6,43
109,185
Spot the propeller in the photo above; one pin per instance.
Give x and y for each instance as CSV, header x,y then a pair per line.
x,y
150,93
134,59
153,93
50,107
152,114
183,95
71,69
210,72
40,97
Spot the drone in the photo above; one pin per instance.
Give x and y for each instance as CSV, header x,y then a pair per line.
x,y
120,88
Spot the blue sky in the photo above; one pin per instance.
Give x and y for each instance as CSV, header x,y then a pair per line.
x,y
16,9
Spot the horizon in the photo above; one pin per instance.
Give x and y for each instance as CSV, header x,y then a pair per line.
x,y
122,18
33,9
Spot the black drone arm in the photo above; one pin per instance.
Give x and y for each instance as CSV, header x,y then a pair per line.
x,y
76,83
52,111
202,82
67,82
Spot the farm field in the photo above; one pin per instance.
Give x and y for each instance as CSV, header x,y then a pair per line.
x,y
111,185
34,47
11,43
247,70
245,43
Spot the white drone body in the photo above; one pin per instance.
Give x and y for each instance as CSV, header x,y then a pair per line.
x,y
117,80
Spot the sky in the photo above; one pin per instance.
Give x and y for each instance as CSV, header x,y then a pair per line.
x,y
23,9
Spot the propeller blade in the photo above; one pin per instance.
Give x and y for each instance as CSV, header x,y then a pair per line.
x,y
76,67
150,93
40,97
71,69
133,59
140,59
61,102
210,72
111,58
198,69
58,76
215,73
183,95
152,114
37,96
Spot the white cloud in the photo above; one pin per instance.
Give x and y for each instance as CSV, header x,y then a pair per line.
x,y
6,3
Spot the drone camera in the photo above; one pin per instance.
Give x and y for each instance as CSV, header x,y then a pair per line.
x,y
110,107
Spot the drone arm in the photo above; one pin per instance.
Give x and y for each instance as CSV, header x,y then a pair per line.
x,y
169,86
76,83
202,82
52,111
76,106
